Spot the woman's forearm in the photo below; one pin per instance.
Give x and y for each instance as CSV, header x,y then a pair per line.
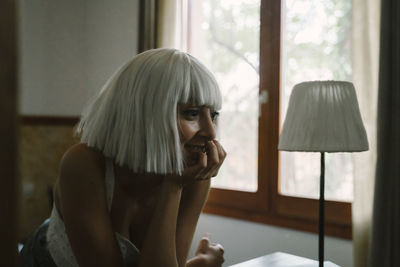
x,y
159,247
192,201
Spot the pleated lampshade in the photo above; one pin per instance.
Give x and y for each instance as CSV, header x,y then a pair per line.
x,y
323,116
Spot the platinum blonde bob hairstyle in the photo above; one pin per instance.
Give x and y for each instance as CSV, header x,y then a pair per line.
x,y
134,118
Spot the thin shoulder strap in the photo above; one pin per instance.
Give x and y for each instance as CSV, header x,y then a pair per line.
x,y
109,181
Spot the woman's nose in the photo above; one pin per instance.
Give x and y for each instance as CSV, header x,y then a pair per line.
x,y
208,128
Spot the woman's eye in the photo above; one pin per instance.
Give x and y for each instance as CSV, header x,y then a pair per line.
x,y
191,113
214,115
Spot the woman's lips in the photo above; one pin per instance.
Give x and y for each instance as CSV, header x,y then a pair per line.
x,y
192,153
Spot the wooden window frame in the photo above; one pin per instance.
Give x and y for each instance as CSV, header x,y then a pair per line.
x,y
267,205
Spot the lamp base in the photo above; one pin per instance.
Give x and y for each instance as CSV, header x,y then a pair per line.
x,y
321,222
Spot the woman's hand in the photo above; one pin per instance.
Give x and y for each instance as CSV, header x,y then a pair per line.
x,y
206,167
215,157
212,254
209,162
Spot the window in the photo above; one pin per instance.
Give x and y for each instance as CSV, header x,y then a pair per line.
x,y
316,45
249,46
232,29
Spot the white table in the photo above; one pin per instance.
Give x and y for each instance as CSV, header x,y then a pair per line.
x,y
280,259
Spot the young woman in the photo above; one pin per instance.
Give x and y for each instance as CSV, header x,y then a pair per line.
x,y
130,194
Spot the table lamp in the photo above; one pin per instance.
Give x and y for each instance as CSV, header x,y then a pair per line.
x,y
323,116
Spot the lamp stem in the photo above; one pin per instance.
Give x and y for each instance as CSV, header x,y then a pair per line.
x,y
321,222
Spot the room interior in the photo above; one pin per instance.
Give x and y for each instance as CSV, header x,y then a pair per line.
x,y
66,51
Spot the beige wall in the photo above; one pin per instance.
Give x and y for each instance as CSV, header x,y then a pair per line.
x,y
67,51
40,150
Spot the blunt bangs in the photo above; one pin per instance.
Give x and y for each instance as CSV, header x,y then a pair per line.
x,y
203,89
134,118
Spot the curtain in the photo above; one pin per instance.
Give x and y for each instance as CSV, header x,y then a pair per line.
x,y
161,24
385,245
171,26
147,25
365,38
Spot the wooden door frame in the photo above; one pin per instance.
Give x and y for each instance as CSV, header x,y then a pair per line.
x,y
9,184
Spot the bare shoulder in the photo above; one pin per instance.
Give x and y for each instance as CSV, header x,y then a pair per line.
x,y
82,204
81,174
80,157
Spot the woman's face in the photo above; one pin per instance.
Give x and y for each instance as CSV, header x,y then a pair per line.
x,y
196,127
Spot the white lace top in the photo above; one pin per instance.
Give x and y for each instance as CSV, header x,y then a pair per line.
x,y
57,239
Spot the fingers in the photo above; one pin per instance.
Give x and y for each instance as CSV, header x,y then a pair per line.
x,y
213,155
200,165
218,252
208,164
221,151
212,162
213,252
221,156
216,157
203,245
218,248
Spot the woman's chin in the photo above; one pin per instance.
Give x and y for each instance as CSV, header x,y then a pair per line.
x,y
191,159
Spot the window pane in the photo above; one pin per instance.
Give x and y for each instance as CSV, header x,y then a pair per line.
x,y
316,45
224,35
